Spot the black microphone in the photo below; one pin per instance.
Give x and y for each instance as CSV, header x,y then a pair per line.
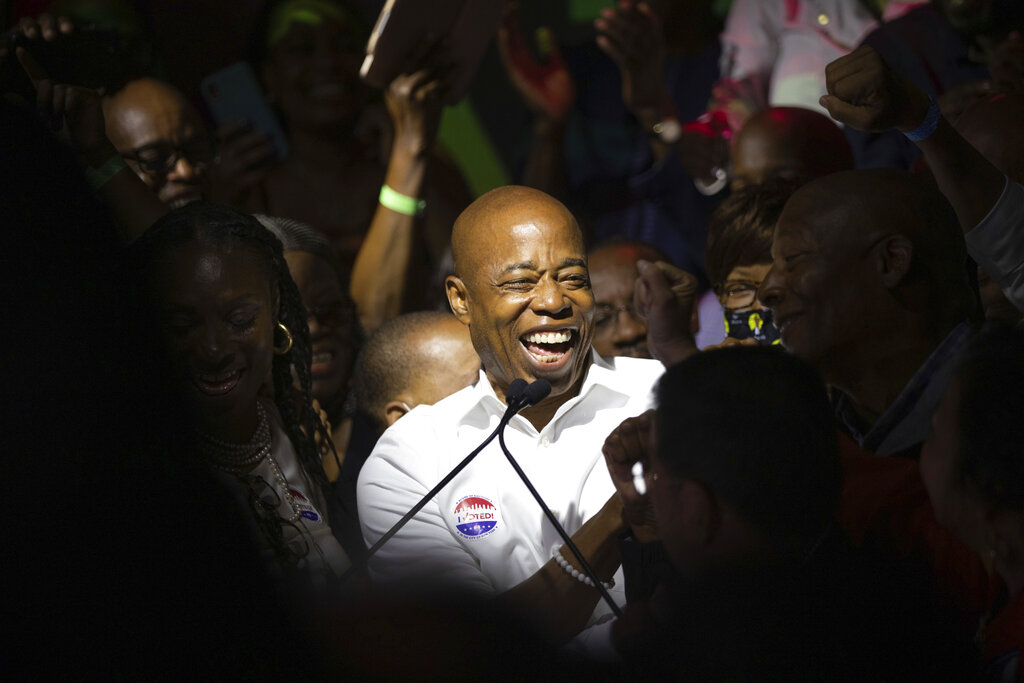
x,y
519,395
536,392
515,391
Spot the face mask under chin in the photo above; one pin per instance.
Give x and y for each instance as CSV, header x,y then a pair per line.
x,y
755,324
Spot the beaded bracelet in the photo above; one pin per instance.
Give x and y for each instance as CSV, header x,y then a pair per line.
x,y
928,126
98,177
400,203
576,573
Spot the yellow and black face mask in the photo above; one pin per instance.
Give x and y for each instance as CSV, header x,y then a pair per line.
x,y
756,324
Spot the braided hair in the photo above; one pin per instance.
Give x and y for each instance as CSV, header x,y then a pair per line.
x,y
221,225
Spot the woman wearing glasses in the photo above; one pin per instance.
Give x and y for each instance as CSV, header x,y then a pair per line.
x,y
738,257
232,320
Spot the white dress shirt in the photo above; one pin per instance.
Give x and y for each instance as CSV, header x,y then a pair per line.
x,y
484,533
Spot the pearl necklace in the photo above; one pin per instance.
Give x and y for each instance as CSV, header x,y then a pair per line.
x,y
238,458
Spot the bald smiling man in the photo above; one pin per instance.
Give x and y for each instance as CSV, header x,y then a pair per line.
x,y
522,288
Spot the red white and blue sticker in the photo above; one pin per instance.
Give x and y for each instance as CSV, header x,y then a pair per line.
x,y
306,509
475,517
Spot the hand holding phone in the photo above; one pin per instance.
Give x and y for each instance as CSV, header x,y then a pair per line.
x,y
234,95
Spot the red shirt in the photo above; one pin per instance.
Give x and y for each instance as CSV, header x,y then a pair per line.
x,y
885,506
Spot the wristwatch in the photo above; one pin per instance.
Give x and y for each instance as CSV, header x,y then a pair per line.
x,y
668,130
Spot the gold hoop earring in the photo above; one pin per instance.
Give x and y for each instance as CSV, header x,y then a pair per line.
x,y
288,346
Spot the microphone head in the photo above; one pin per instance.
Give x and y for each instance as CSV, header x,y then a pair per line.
x,y
515,390
536,392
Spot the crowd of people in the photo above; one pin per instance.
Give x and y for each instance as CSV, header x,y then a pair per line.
x,y
728,386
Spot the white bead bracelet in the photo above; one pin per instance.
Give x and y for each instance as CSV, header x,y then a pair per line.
x,y
576,573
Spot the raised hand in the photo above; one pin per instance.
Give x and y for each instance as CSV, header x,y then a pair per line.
x,y
863,92
665,296
77,113
626,446
631,35
415,102
244,159
546,87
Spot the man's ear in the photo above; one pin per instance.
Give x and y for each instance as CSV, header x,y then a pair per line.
x,y
394,410
458,298
894,255
702,514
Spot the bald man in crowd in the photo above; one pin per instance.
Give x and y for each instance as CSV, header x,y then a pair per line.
x,y
413,359
522,287
792,143
162,138
869,284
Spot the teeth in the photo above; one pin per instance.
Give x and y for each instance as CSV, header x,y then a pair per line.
x,y
559,337
218,379
323,357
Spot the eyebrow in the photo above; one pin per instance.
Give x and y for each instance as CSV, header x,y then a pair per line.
x,y
531,265
523,265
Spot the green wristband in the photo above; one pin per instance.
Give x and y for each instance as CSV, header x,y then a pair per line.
x,y
98,177
400,203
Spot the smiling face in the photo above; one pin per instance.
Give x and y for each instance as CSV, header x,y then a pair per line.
x,y
312,73
332,321
219,315
524,291
821,286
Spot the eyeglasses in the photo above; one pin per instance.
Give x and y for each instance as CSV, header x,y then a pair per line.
x,y
737,293
264,500
160,157
605,315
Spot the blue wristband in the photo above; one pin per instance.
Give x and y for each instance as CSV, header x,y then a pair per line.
x,y
928,126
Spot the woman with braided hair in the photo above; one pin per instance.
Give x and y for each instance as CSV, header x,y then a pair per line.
x,y
232,320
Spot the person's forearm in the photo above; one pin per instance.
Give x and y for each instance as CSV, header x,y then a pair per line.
x,y
648,118
379,271
554,602
545,167
132,203
970,183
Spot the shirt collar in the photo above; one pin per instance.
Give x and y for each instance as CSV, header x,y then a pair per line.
x,y
910,414
601,377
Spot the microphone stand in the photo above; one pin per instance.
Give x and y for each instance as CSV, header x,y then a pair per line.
x,y
515,402
559,528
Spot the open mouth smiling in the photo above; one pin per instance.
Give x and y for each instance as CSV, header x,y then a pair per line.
x,y
549,349
217,384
